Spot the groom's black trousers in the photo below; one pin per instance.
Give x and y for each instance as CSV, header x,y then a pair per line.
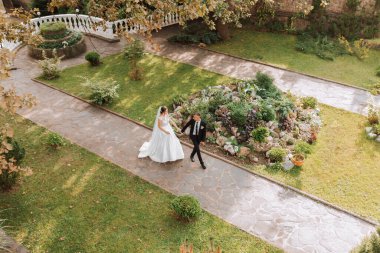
x,y
196,148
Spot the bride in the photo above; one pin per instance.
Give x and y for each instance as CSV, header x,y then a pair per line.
x,y
164,145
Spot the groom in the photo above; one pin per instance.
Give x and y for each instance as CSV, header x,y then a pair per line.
x,y
197,136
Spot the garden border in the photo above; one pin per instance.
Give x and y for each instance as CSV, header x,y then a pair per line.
x,y
279,68
308,195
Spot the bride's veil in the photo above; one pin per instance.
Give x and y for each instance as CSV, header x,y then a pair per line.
x,y
155,126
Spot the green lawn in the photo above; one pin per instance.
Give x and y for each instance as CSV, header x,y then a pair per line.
x,y
279,50
163,80
78,202
343,169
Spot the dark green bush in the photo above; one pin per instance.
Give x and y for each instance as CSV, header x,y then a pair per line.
x,y
277,155
93,58
260,134
321,46
303,148
217,100
9,179
186,207
266,112
196,33
184,38
239,112
135,50
266,87
309,102
54,140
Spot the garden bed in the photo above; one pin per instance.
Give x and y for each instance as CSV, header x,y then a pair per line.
x,y
342,169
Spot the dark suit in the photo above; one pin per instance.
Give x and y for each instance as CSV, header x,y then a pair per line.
x,y
197,138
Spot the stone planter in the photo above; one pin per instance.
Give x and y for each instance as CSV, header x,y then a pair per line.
x,y
67,52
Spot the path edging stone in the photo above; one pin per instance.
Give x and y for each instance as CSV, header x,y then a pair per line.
x,y
310,196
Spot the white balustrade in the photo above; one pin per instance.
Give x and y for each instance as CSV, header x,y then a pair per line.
x,y
91,25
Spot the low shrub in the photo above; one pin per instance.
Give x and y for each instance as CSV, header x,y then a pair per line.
x,y
321,46
266,112
50,66
134,51
8,178
186,207
217,100
303,148
93,58
239,112
370,244
55,141
196,33
102,92
276,166
361,49
266,87
17,153
309,102
376,129
260,134
373,115
277,155
179,99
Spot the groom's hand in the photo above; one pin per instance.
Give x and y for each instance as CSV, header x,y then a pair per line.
x,y
203,143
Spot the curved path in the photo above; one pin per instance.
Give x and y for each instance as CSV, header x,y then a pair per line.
x,y
277,214
334,94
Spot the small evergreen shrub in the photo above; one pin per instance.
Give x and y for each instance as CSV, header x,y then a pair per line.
x,y
102,92
260,134
134,51
239,112
303,148
186,207
309,102
217,100
266,112
266,87
276,166
277,155
9,178
55,141
93,58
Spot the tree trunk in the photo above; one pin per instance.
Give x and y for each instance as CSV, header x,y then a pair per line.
x,y
223,30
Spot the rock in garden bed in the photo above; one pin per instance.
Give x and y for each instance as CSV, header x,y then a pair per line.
x,y
248,119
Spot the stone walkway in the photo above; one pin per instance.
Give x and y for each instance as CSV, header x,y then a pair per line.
x,y
276,214
330,93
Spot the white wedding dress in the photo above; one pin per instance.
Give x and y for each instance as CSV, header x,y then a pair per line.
x,y
162,147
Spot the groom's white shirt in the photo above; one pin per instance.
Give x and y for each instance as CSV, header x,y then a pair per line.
x,y
196,127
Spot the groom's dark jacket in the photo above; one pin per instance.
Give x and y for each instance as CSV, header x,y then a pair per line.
x,y
202,130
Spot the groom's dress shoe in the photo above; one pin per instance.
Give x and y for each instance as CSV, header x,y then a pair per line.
x,y
192,159
203,166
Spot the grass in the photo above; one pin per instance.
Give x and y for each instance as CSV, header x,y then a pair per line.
x,y
344,167
279,50
163,80
77,202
